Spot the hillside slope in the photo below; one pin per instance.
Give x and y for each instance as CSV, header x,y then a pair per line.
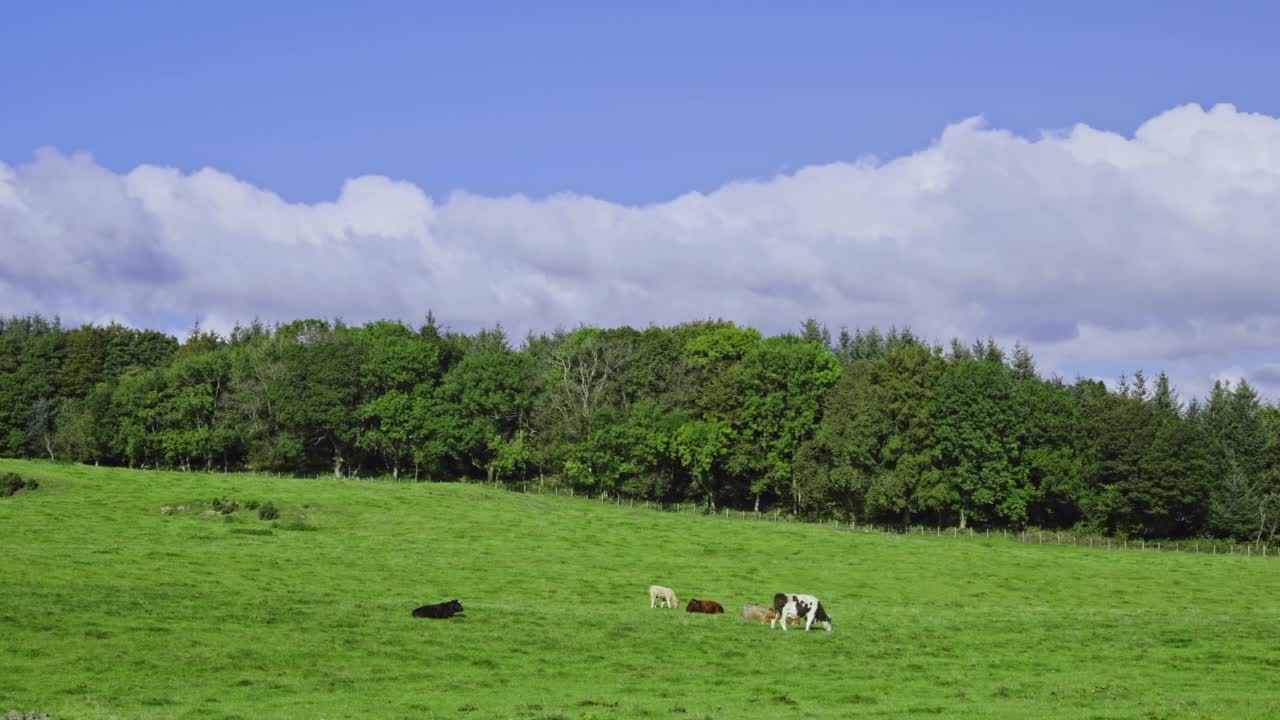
x,y
112,609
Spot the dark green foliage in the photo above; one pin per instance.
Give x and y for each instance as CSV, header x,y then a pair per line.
x,y
11,483
870,427
223,505
268,511
975,421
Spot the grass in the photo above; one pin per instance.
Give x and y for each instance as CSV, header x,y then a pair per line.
x,y
110,609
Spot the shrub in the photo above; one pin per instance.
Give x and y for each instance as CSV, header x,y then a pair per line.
x,y
251,504
268,511
12,482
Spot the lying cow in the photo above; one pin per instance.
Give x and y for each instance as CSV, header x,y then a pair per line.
x,y
763,614
439,611
799,606
664,596
770,615
704,606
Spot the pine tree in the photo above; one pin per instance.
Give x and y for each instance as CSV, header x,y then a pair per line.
x,y
1165,398
1023,366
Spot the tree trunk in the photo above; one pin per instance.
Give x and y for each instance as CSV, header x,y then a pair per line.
x,y
337,465
757,502
395,471
963,519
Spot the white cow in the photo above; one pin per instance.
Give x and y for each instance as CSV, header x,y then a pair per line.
x,y
799,606
665,595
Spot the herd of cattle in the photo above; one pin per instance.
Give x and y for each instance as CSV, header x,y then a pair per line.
x,y
788,609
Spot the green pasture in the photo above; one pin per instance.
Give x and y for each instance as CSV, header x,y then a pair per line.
x,y
111,609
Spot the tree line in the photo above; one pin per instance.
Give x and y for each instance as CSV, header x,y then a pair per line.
x,y
869,426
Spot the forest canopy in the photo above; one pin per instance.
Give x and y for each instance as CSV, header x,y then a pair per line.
x,y
869,426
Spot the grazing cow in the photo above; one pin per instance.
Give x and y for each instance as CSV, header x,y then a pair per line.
x,y
704,606
439,611
663,595
751,611
800,606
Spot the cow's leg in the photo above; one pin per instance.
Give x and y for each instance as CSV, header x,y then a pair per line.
x,y
652,601
808,619
783,618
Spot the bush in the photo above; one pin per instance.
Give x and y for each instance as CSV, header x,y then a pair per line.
x,y
268,511
224,506
251,504
11,483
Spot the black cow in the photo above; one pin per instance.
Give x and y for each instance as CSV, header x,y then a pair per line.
x,y
439,611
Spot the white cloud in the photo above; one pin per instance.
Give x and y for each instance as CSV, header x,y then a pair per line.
x,y
1101,252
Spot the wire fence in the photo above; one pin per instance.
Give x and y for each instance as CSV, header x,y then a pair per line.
x,y
1202,546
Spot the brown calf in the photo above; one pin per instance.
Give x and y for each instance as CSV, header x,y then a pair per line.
x,y
704,606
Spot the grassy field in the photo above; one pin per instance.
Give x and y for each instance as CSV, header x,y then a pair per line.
x,y
109,608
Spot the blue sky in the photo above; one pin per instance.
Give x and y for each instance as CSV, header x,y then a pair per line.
x,y
548,164
633,104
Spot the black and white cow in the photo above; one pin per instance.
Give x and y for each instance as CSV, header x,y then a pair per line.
x,y
799,606
438,611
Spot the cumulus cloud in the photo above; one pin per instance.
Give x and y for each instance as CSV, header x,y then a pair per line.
x,y
1102,252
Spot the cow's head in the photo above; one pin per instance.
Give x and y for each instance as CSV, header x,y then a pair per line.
x,y
455,605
